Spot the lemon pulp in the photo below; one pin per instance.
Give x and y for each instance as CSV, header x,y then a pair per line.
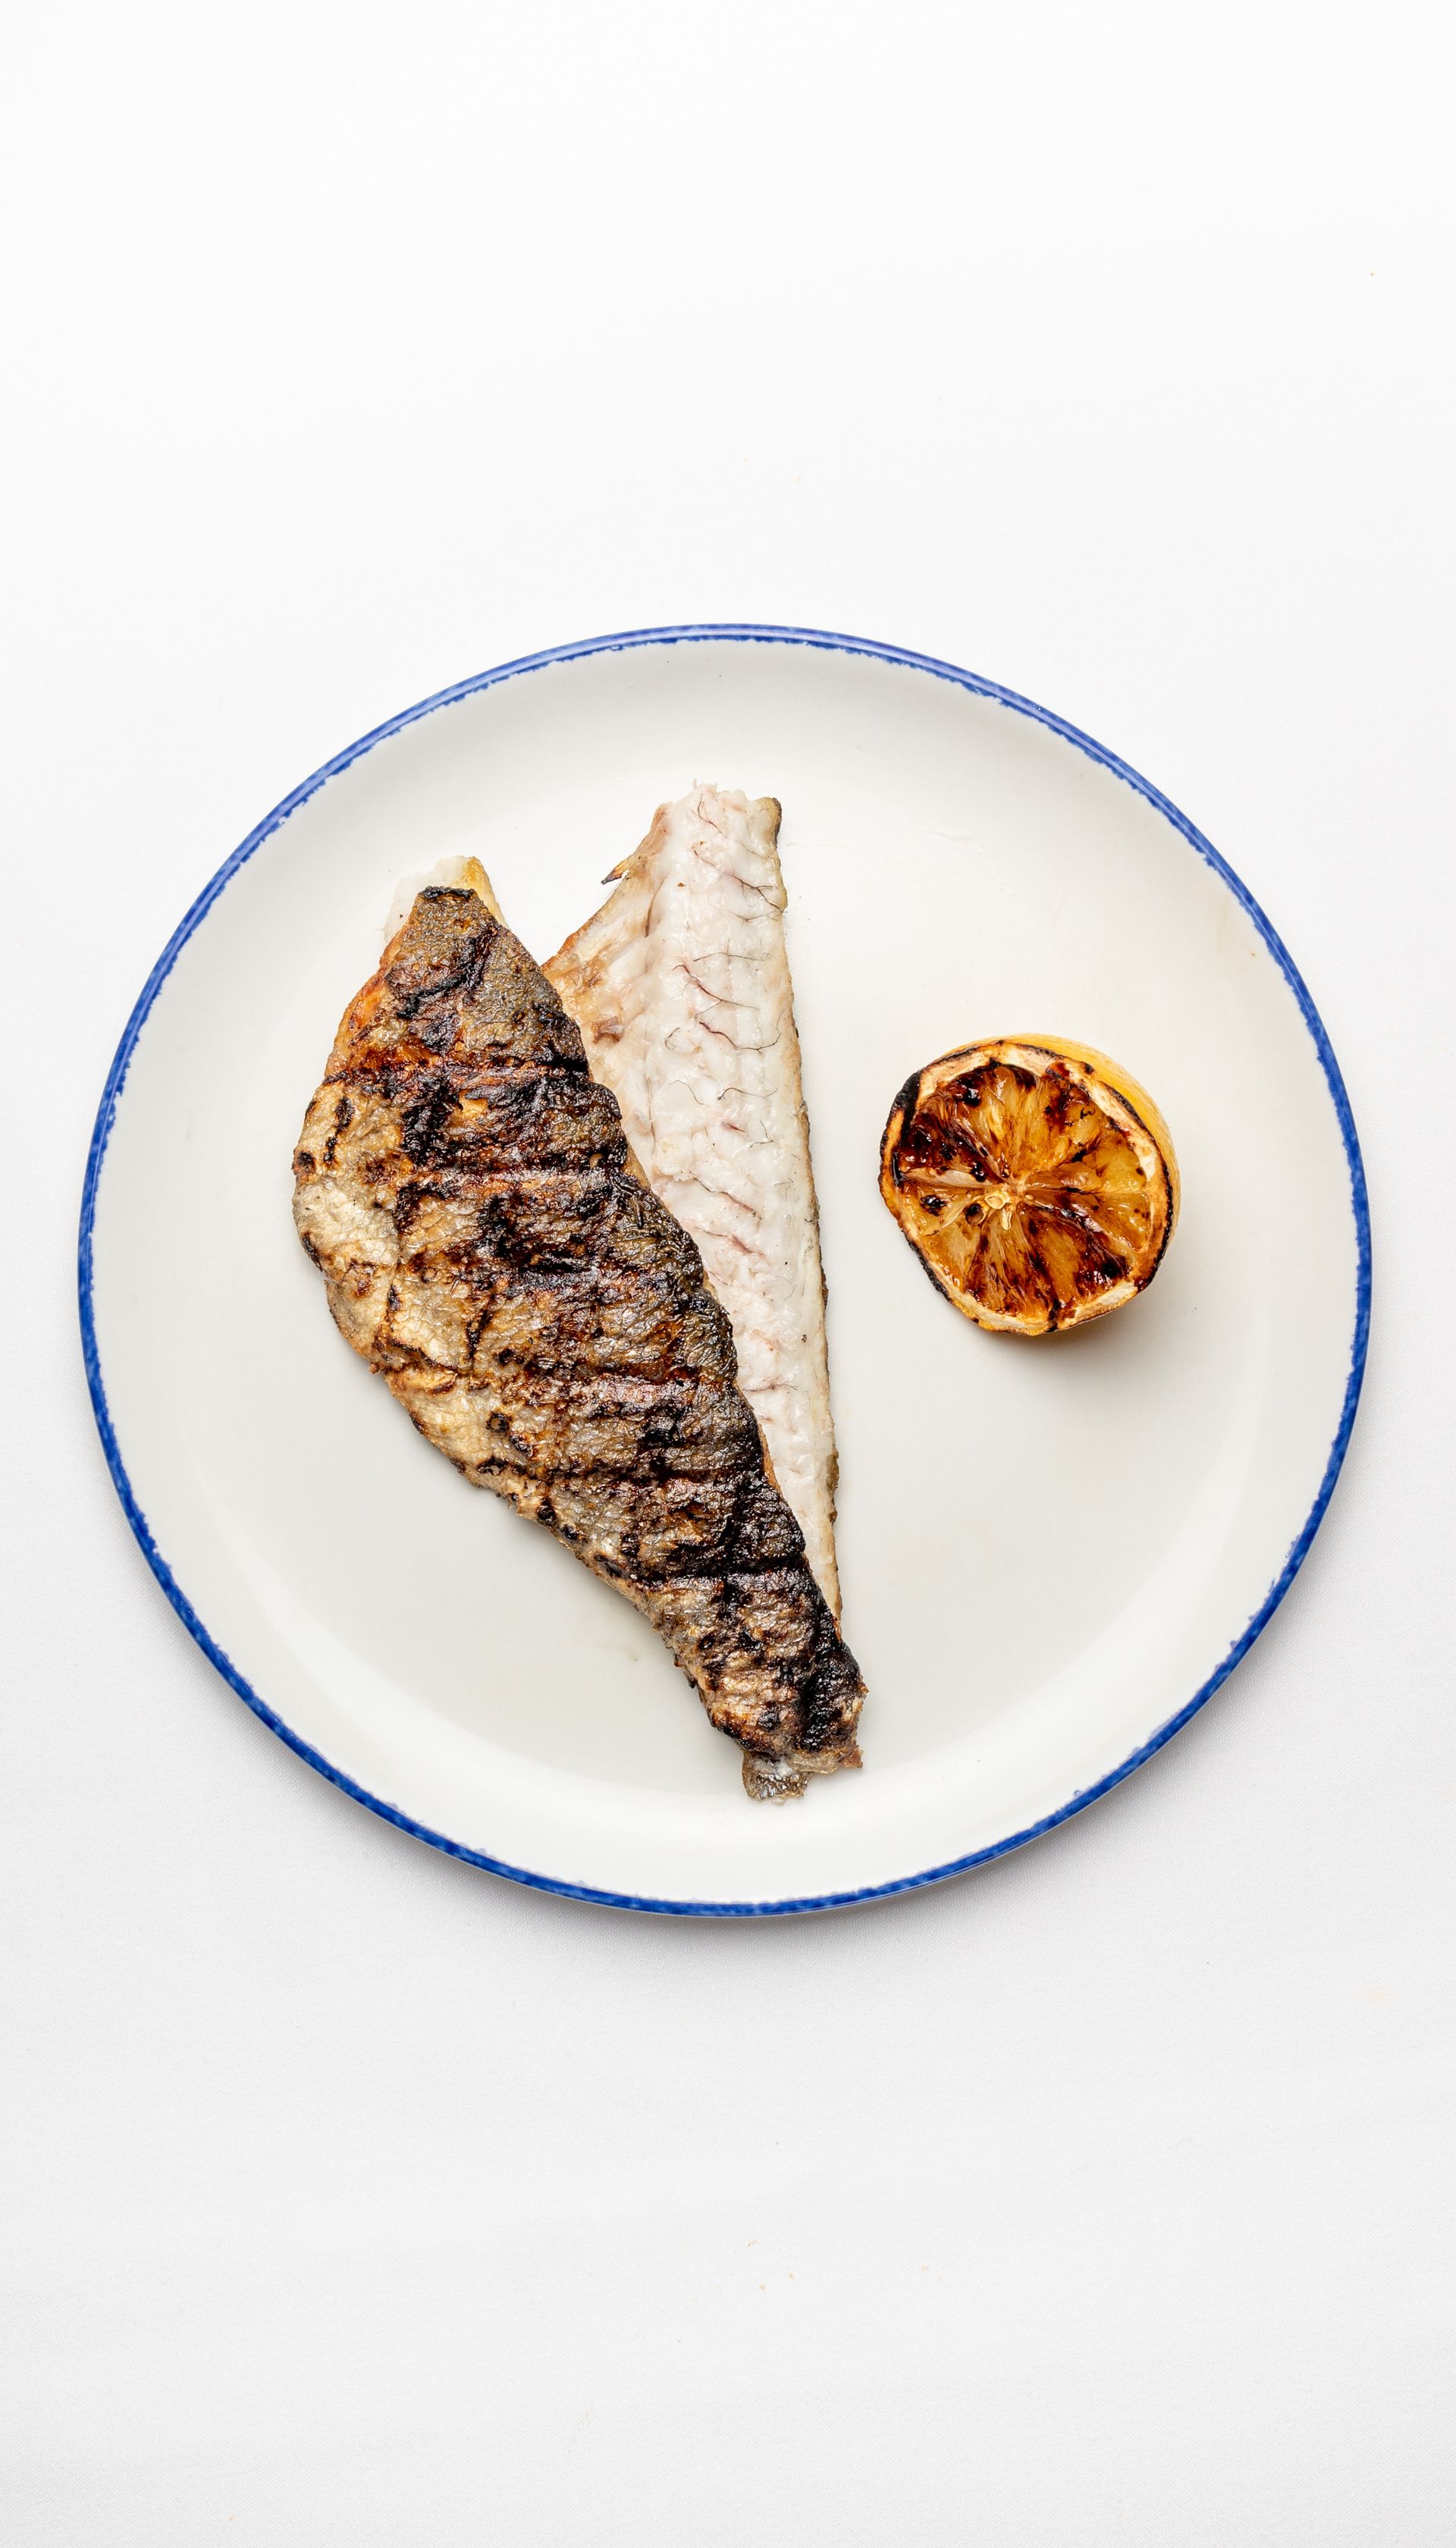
x,y
1034,1178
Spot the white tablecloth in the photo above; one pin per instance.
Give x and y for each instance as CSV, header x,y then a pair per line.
x,y
350,2195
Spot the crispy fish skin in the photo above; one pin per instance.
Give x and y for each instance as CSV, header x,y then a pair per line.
x,y
681,989
489,1247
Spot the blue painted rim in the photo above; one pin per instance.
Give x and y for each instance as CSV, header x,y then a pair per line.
x,y
745,634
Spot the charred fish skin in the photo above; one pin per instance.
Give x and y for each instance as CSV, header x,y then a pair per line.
x,y
680,986
489,1247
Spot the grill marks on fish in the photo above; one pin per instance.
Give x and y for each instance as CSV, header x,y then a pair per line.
x,y
682,988
490,1247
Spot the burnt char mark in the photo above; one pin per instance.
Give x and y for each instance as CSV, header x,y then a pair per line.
x,y
809,1685
554,1116
422,1123
1042,1272
764,1531
908,1098
516,1234
343,1117
408,1199
1058,1097
443,958
520,1107
944,1136
893,1140
831,1693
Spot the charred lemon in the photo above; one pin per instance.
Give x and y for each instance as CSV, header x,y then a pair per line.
x,y
1034,1179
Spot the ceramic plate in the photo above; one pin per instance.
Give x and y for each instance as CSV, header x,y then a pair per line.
x,y
1052,1553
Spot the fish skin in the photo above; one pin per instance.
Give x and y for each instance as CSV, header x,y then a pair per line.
x,y
681,989
490,1249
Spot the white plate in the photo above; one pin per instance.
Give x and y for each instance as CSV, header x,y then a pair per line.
x,y
1052,1553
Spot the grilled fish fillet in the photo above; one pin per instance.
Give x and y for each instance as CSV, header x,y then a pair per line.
x,y
681,987
489,1247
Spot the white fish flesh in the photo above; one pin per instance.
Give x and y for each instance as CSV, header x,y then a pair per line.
x,y
681,987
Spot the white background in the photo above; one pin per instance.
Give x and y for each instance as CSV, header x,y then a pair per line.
x,y
350,2196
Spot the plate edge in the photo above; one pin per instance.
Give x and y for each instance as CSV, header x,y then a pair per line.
x,y
621,641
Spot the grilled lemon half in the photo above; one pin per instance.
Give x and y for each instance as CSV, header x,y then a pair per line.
x,y
1034,1179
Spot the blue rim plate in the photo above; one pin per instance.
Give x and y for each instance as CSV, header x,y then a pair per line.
x,y
792,645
